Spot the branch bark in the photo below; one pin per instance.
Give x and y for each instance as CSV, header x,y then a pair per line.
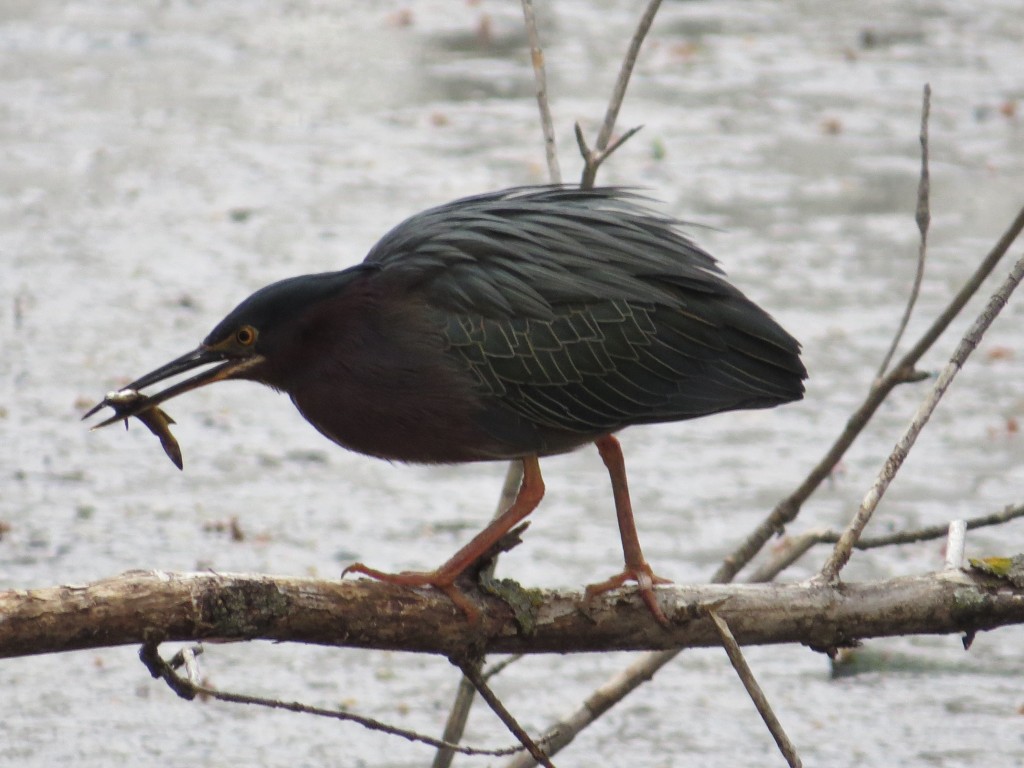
x,y
129,608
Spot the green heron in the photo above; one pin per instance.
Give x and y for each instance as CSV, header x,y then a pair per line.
x,y
509,325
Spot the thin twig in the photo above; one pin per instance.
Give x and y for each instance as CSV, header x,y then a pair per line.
x,y
625,73
844,547
473,674
1010,512
739,663
600,701
149,654
796,546
539,75
923,218
459,713
592,159
788,508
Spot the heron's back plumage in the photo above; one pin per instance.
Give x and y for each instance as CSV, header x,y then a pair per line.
x,y
582,312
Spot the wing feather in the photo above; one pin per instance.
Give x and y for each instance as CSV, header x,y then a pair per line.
x,y
584,311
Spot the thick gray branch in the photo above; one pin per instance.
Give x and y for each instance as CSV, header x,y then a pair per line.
x,y
362,613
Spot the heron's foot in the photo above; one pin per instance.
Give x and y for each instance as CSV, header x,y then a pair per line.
x,y
645,579
439,579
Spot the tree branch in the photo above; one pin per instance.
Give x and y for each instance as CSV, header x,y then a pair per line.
x,y
363,613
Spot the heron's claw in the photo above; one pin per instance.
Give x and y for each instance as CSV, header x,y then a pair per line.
x,y
645,579
439,579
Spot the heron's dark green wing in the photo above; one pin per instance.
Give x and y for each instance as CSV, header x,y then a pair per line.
x,y
598,367
584,312
520,252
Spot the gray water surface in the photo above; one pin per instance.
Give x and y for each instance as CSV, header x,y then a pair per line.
x,y
160,161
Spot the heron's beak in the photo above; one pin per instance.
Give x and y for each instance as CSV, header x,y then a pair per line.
x,y
128,402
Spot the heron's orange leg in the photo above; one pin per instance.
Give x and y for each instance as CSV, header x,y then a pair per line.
x,y
443,578
637,569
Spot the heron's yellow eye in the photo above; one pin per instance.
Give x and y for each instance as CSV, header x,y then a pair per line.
x,y
245,336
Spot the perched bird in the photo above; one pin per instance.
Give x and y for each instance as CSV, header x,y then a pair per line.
x,y
509,325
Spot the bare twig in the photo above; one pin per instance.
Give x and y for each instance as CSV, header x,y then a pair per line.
x,y
739,663
600,701
455,727
796,546
793,548
844,547
592,161
1011,512
537,60
788,508
923,218
472,673
188,689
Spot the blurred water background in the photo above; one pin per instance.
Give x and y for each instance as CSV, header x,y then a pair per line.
x,y
161,160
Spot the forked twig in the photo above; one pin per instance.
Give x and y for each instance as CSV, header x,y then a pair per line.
x,y
592,160
746,676
923,217
844,547
594,157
